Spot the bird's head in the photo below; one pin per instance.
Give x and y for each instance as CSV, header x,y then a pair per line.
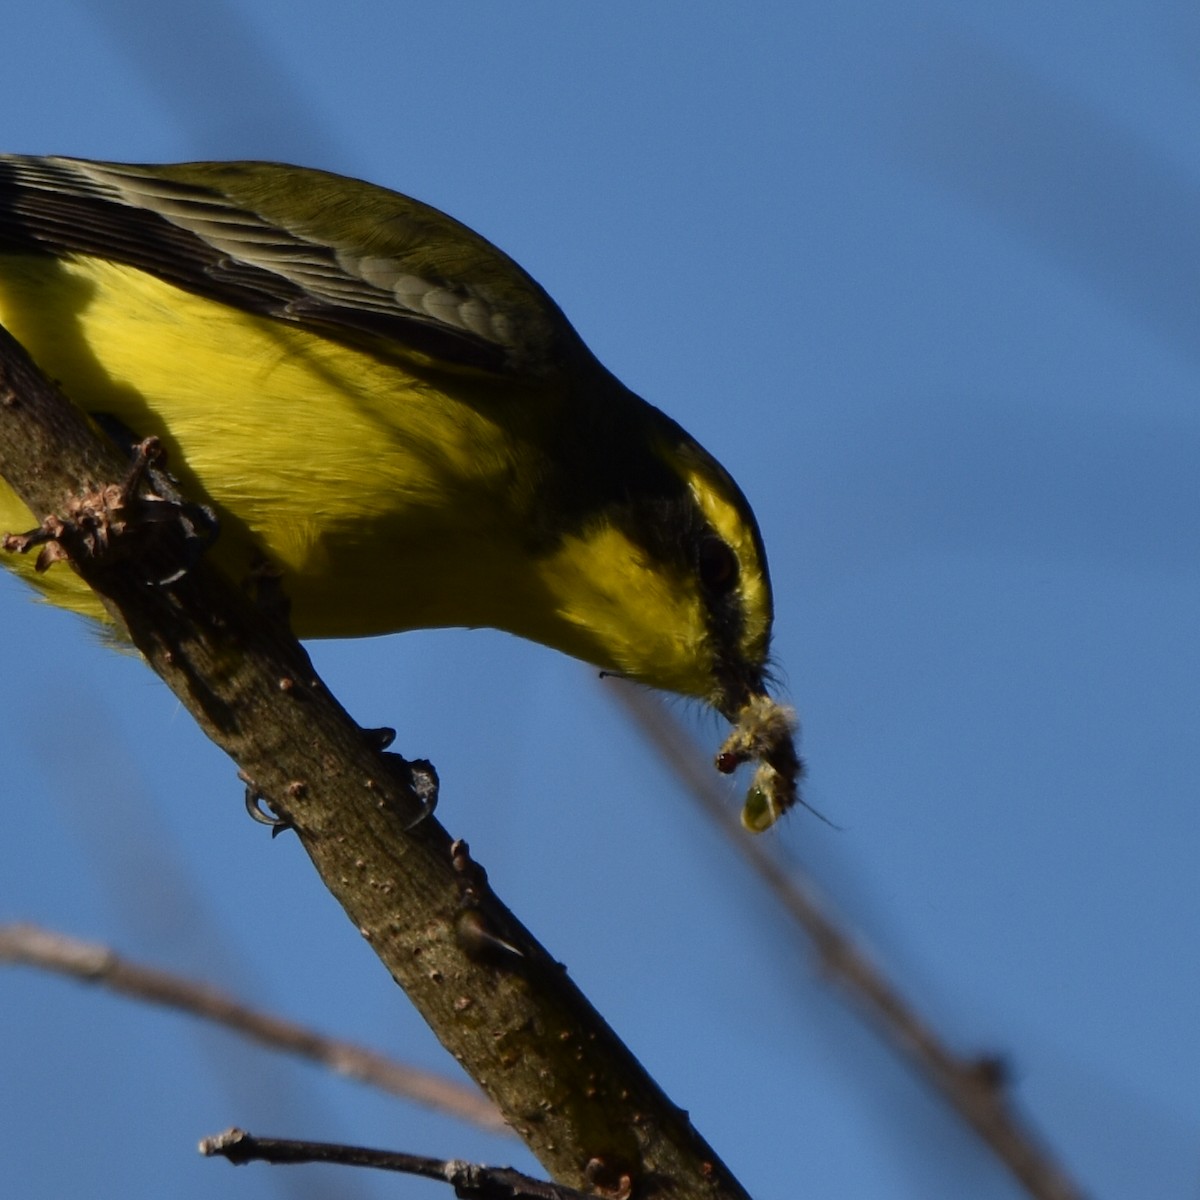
x,y
663,579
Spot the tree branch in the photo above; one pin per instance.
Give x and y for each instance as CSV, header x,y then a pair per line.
x,y
97,964
471,1181
499,1003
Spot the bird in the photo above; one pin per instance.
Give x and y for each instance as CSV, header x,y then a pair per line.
x,y
387,409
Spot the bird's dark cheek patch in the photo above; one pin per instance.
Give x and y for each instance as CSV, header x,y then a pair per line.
x,y
717,565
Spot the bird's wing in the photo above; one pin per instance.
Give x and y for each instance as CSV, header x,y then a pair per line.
x,y
304,246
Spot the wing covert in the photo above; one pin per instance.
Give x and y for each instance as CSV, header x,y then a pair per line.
x,y
299,245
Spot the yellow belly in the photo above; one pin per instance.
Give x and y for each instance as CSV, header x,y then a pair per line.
x,y
380,496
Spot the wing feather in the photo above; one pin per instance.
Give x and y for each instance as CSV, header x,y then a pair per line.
x,y
298,245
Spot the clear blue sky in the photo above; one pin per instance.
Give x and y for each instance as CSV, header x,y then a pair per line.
x,y
927,279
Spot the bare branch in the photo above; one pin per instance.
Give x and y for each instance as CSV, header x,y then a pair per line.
x,y
469,1180
92,962
974,1087
496,999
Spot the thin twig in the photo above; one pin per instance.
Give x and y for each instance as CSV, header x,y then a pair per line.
x,y
469,1180
974,1087
95,963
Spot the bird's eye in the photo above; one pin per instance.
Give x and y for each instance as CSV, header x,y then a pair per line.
x,y
718,565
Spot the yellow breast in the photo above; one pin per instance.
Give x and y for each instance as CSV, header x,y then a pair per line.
x,y
324,456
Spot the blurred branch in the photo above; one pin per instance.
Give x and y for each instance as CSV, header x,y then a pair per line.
x,y
503,1006
95,963
469,1180
974,1087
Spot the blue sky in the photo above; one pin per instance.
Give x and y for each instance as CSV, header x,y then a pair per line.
x,y
927,279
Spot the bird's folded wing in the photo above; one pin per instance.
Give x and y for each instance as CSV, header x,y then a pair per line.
x,y
320,250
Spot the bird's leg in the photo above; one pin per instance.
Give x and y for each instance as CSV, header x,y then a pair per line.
x,y
94,522
153,492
